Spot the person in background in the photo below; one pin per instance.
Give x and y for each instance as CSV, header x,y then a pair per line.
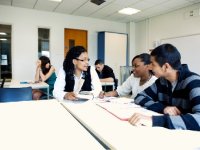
x,y
175,94
76,75
45,72
140,79
105,74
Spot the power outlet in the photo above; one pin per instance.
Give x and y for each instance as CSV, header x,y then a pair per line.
x,y
192,13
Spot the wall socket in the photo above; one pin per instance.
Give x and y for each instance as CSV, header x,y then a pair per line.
x,y
192,13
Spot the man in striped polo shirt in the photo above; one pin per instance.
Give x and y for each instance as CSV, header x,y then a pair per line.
x,y
175,94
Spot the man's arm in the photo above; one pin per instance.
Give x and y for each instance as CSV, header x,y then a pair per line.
x,y
149,99
186,122
190,120
110,79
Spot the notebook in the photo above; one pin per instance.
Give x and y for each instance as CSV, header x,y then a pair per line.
x,y
124,111
80,99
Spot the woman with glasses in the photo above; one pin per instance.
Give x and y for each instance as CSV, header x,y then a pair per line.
x,y
45,72
76,75
140,79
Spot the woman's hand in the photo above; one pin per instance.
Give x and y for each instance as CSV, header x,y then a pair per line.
x,y
70,96
38,63
101,94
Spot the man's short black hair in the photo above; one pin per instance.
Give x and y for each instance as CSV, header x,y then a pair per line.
x,y
98,61
167,53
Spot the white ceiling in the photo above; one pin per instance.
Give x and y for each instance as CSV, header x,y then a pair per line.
x,y
108,10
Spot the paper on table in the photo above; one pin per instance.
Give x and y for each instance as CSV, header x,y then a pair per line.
x,y
125,111
119,100
89,97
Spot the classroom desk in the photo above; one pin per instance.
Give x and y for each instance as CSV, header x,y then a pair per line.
x,y
42,125
121,135
18,84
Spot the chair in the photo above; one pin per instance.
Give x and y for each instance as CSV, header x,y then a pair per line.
x,y
2,83
125,72
15,94
116,83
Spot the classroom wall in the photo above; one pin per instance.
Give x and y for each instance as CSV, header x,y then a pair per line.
x,y
25,23
131,41
173,24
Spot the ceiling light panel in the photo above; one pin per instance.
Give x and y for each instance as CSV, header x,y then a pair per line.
x,y
128,11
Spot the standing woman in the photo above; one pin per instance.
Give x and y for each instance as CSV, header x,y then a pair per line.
x,y
76,75
45,72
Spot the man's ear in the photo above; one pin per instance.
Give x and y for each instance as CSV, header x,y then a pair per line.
x,y
167,67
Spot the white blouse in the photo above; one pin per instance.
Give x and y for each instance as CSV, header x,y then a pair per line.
x,y
133,84
59,85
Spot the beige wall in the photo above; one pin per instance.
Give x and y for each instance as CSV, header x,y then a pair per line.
x,y
169,25
25,23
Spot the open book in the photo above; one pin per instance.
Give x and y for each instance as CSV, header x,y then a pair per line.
x,y
123,110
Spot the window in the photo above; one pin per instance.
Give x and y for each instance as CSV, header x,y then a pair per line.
x,y
5,52
43,42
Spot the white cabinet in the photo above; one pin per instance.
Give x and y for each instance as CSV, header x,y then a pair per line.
x,y
113,50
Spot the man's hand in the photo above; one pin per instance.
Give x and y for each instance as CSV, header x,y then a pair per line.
x,y
140,120
70,96
172,110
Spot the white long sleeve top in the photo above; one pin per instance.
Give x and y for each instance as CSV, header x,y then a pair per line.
x,y
133,84
59,85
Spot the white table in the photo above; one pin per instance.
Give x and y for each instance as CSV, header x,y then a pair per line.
x,y
42,125
121,135
18,84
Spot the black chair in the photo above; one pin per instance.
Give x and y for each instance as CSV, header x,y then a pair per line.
x,y
116,83
15,94
107,88
2,83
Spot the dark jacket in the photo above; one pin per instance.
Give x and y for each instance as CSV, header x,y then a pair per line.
x,y
69,87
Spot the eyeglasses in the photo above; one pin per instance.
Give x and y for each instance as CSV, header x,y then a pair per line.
x,y
83,60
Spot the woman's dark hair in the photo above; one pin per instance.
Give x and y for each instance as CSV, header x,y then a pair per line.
x,y
144,58
167,53
45,60
68,65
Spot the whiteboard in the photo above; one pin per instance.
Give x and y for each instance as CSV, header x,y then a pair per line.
x,y
189,47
